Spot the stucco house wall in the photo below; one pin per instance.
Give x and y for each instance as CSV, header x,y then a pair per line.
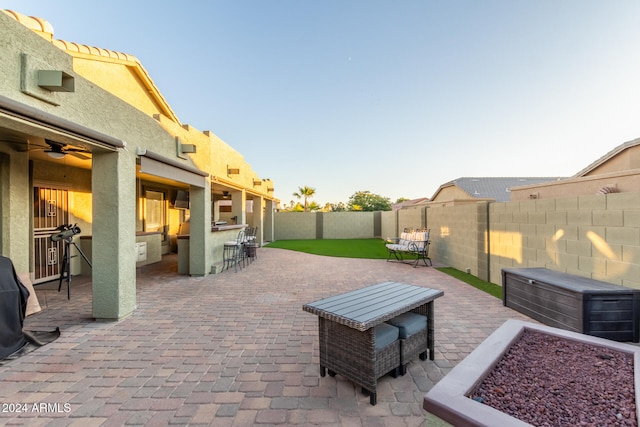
x,y
113,100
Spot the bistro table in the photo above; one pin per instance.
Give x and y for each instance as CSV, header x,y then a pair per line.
x,y
346,328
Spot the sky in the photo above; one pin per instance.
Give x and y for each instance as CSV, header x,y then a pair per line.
x,y
392,97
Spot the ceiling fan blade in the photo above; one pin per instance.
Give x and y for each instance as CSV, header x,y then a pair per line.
x,y
78,155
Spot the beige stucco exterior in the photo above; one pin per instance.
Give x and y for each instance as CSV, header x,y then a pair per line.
x,y
122,143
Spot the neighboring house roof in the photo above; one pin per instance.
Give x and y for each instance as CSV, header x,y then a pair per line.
x,y
492,187
611,154
406,203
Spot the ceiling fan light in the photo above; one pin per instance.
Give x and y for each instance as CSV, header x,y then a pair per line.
x,y
55,154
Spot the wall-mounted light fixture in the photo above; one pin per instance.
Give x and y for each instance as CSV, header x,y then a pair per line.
x,y
188,148
182,149
56,81
257,182
232,171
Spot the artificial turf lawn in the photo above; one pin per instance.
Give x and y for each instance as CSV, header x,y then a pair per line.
x,y
344,248
490,288
372,249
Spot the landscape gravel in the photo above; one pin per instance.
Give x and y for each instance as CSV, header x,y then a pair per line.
x,y
546,380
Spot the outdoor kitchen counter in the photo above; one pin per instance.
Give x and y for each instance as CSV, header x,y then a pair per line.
x,y
219,235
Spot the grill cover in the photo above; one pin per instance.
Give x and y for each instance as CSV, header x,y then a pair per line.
x,y
13,305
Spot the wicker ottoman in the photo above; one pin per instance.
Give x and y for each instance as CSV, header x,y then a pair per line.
x,y
357,356
414,337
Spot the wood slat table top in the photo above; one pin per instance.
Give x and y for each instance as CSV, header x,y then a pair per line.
x,y
367,307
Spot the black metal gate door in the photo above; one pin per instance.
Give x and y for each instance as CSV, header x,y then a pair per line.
x,y
50,210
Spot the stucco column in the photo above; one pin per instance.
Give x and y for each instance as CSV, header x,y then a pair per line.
x,y
258,217
15,216
114,235
200,259
269,215
239,206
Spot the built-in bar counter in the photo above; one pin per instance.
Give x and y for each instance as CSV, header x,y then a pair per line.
x,y
219,235
226,227
148,249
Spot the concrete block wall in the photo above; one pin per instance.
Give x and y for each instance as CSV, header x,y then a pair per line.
x,y
389,222
456,237
594,236
323,225
295,225
347,225
413,217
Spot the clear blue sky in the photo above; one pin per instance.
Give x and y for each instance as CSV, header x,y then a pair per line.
x,y
393,97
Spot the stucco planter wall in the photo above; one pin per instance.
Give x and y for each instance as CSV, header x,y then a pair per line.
x,y
449,398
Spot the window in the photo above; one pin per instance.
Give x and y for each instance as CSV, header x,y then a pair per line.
x,y
154,215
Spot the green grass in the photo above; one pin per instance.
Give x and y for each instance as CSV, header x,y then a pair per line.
x,y
344,248
372,249
488,287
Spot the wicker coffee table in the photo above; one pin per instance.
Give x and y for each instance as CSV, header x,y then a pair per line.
x,y
346,323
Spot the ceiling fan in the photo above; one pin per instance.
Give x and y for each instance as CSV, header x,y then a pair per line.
x,y
58,150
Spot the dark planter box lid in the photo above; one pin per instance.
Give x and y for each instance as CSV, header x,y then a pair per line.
x,y
568,281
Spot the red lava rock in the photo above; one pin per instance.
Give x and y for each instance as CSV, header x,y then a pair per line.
x,y
555,381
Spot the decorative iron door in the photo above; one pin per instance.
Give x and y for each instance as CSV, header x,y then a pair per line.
x,y
50,210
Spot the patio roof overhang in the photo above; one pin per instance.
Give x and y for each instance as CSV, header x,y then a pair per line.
x,y
31,120
157,165
218,184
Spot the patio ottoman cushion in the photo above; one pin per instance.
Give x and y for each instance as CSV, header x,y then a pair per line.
x,y
385,334
409,323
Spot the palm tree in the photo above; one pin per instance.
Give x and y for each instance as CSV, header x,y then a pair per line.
x,y
305,192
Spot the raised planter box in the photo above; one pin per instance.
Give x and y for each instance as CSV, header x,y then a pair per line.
x,y
573,303
449,400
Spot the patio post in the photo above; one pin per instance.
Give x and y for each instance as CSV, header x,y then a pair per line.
x,y
200,260
268,221
114,234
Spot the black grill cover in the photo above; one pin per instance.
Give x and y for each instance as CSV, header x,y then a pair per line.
x,y
13,305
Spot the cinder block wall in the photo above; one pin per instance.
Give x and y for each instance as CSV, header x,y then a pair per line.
x,y
591,236
456,236
323,225
413,217
295,225
347,225
389,224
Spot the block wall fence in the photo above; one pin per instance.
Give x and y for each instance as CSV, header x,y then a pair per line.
x,y
594,236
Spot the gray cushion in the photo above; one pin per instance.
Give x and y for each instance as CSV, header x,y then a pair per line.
x,y
409,323
385,334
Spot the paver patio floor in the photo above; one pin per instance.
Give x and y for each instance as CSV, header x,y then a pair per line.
x,y
229,349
